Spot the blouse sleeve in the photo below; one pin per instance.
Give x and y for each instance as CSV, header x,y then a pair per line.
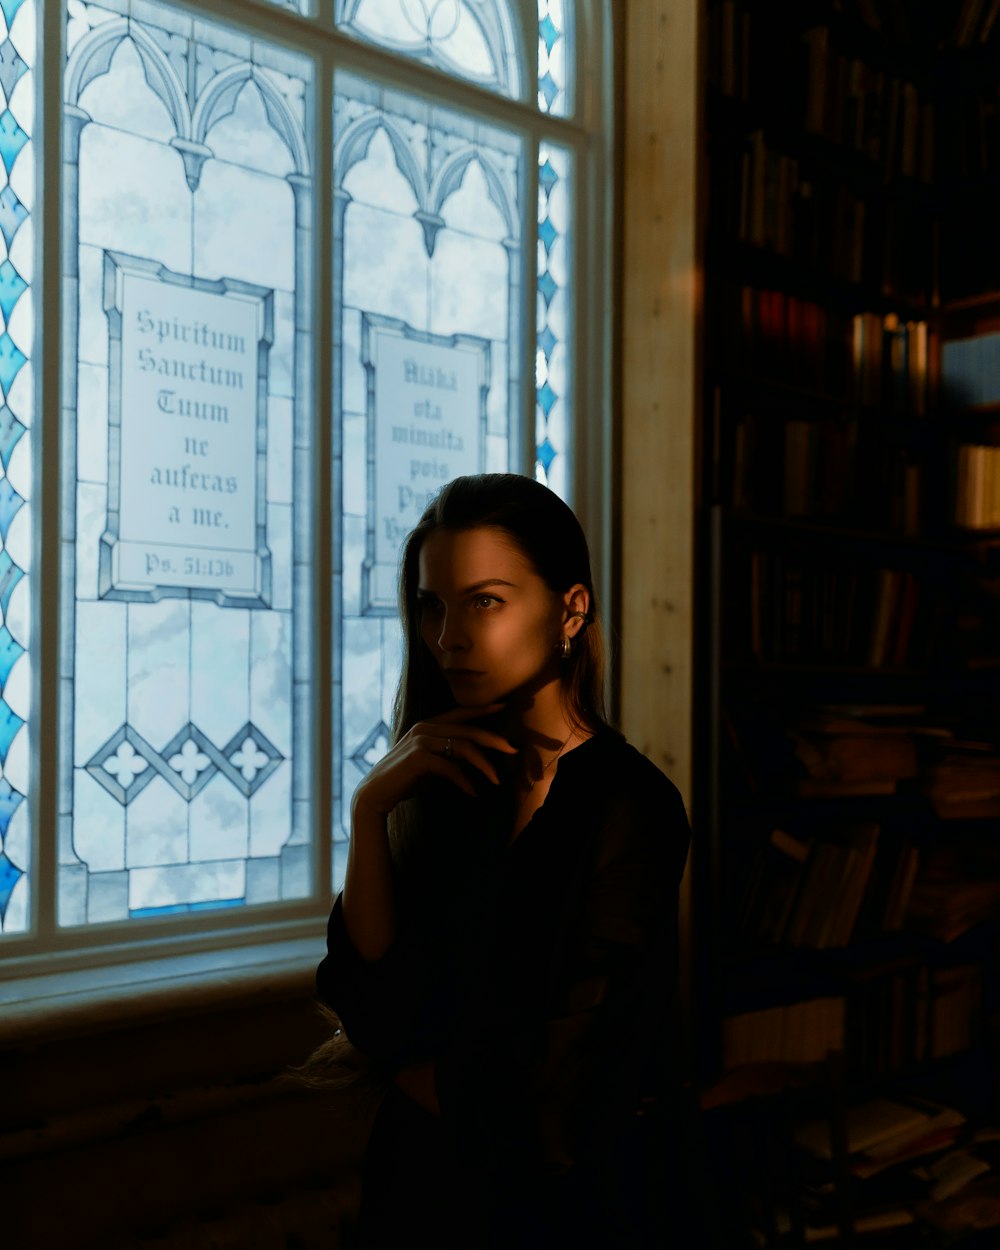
x,y
548,1087
390,1008
399,1008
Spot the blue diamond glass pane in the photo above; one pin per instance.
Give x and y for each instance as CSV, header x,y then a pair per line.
x,y
547,342
546,454
546,397
10,504
10,9
547,287
10,726
12,361
10,652
547,176
12,287
11,68
548,234
12,214
547,89
11,431
10,575
10,875
548,32
12,139
10,801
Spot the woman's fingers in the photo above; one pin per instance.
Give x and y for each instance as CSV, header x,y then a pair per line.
x,y
473,733
455,730
458,747
447,746
444,767
463,720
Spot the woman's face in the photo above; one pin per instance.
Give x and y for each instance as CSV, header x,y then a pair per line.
x,y
487,617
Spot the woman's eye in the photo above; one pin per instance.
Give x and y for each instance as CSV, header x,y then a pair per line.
x,y
430,607
485,601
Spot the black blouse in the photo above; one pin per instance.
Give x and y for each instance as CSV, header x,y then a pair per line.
x,y
536,975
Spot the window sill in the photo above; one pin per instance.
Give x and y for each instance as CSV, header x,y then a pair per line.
x,y
43,1005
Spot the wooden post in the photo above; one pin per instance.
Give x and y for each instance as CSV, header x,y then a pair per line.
x,y
660,362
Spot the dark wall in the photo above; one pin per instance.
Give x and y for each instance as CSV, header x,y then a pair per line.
x,y
185,1131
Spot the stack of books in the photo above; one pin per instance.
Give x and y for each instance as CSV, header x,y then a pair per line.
x,y
901,1159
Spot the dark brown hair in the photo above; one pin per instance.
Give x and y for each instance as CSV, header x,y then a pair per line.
x,y
546,532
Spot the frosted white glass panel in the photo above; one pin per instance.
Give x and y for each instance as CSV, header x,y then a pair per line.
x,y
17,51
472,39
185,620
427,259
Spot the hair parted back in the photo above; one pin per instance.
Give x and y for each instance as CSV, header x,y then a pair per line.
x,y
546,531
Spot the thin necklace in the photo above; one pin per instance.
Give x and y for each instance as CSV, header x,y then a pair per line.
x,y
545,767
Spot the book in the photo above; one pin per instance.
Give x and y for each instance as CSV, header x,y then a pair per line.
x,y
953,1009
965,782
817,41
801,1033
812,899
866,1125
867,1222
857,872
932,1135
907,865
889,581
977,487
854,753
826,906
946,907
771,888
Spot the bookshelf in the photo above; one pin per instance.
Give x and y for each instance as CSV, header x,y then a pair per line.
x,y
850,901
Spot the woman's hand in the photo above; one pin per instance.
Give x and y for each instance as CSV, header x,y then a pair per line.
x,y
444,746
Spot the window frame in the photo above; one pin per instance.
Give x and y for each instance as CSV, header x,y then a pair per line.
x,y
47,969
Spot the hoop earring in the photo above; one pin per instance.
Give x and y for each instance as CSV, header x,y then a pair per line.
x,y
565,647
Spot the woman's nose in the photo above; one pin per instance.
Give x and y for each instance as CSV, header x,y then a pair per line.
x,y
451,637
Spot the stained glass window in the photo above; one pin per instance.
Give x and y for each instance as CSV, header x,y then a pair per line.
x,y
194,530
471,38
186,655
17,56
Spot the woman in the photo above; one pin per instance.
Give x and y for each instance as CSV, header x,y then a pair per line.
x,y
504,947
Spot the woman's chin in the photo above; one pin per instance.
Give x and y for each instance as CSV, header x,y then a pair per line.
x,y
469,698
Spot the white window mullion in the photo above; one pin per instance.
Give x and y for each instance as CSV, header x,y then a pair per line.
x,y
326,500
46,591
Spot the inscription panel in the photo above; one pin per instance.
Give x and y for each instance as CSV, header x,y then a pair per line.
x,y
427,397
188,436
